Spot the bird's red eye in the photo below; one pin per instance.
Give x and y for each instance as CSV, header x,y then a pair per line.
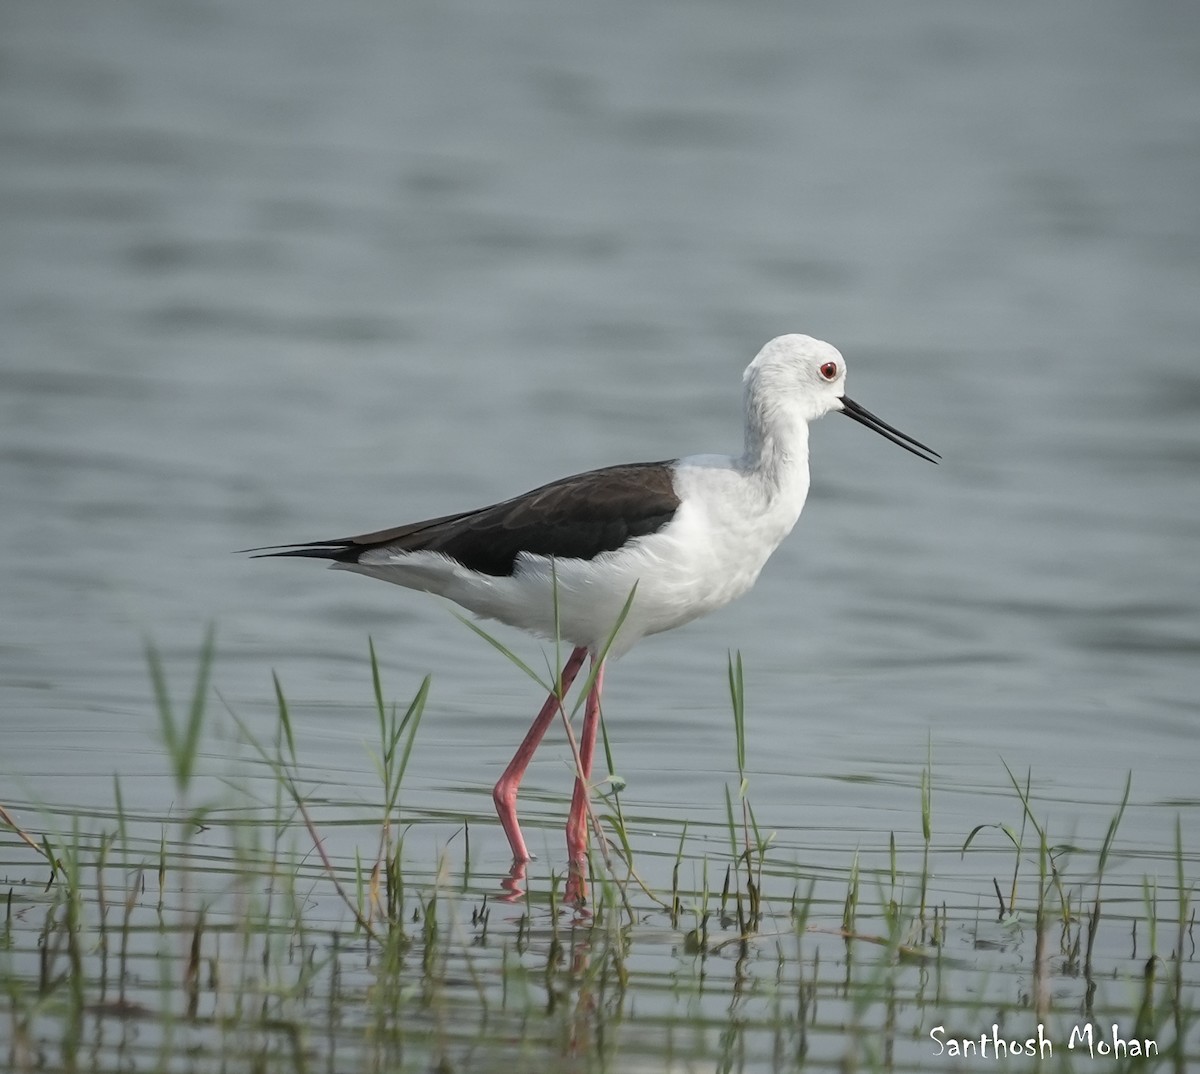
x,y
829,370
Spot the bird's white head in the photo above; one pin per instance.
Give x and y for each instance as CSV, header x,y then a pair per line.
x,y
805,375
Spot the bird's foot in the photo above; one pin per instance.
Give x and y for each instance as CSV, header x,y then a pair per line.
x,y
514,883
575,894
577,878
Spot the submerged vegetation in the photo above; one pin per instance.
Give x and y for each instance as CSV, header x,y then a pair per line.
x,y
270,927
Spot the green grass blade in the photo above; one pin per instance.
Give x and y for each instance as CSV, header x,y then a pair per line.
x,y
377,687
503,649
285,718
1111,834
182,743
162,697
737,695
733,846
413,716
191,740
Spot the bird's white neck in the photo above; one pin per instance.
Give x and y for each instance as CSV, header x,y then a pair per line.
x,y
776,450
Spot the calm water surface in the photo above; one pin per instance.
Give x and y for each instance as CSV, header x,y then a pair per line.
x,y
279,271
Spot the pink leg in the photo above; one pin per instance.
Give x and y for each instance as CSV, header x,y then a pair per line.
x,y
577,820
504,794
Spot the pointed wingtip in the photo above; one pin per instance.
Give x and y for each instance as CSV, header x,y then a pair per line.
x,y
307,550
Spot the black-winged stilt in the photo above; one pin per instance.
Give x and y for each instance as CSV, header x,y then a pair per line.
x,y
692,534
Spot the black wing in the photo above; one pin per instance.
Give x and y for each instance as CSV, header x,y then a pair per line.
x,y
574,518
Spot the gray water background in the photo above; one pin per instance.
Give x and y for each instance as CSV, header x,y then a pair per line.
x,y
279,271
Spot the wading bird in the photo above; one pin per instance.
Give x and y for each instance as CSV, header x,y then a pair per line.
x,y
691,534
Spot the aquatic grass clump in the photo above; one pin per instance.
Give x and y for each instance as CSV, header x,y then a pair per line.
x,y
273,927
754,844
378,889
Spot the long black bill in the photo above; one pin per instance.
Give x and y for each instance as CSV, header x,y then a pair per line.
x,y
864,417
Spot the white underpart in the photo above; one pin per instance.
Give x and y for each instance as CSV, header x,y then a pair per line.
x,y
733,514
